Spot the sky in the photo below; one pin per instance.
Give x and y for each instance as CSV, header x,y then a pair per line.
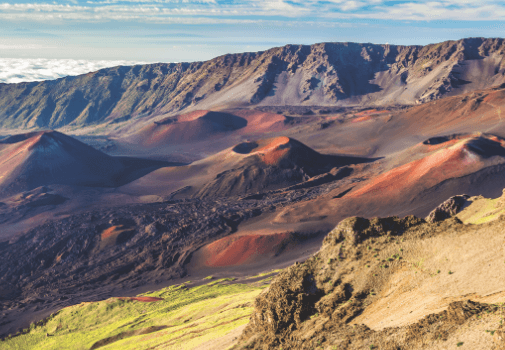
x,y
45,40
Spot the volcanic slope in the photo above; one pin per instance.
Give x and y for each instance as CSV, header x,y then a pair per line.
x,y
381,283
430,169
441,158
323,74
187,128
48,157
249,167
387,284
376,132
412,181
200,133
202,124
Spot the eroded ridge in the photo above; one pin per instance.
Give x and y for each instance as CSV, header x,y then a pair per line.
x,y
388,284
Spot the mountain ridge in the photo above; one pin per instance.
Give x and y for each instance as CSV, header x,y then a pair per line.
x,y
342,74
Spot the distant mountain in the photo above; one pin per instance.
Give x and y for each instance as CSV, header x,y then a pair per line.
x,y
345,74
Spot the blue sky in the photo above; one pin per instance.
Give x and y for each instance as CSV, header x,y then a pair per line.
x,y
191,30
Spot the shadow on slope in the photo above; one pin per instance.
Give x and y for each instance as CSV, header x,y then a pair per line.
x,y
186,128
48,157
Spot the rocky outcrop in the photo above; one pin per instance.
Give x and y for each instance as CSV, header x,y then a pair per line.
x,y
318,287
448,208
318,303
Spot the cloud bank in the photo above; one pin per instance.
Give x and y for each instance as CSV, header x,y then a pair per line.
x,y
17,70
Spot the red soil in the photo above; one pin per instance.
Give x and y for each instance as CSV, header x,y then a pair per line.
x,y
269,144
142,299
109,235
371,112
270,150
111,231
362,119
495,97
261,122
273,151
446,163
273,157
230,251
367,115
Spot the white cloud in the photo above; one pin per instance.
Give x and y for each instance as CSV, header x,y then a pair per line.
x,y
282,8
352,5
197,10
16,70
152,1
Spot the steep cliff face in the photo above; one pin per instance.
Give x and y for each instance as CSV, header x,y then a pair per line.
x,y
320,74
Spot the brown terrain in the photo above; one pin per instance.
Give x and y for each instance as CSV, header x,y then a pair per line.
x,y
380,284
244,163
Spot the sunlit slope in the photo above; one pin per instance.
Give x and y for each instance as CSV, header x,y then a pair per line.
x,y
204,317
479,210
387,284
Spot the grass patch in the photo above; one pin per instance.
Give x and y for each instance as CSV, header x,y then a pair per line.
x,y
184,319
481,211
271,272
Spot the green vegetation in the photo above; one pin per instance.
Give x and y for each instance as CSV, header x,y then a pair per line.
x,y
221,281
482,210
418,264
268,273
184,319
